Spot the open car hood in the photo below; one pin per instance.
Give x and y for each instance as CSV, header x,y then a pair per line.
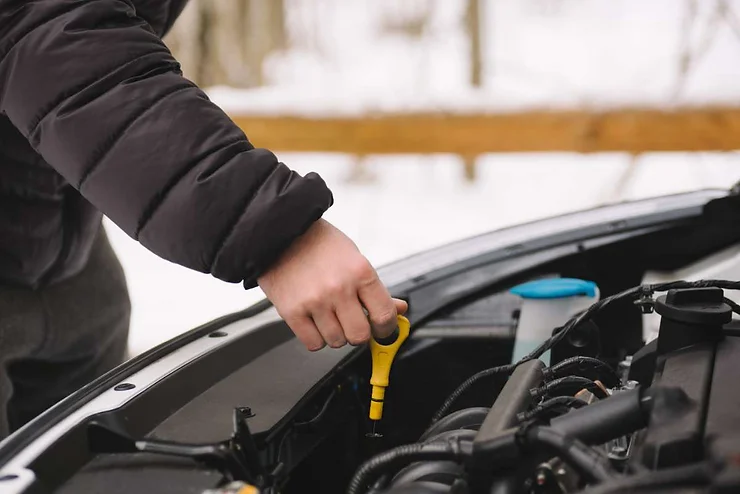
x,y
187,389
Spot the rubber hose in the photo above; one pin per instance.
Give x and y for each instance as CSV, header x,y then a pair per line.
x,y
402,455
420,471
442,472
515,444
589,463
446,436
420,488
462,419
623,413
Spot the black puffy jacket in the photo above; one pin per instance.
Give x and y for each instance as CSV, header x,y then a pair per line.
x,y
97,117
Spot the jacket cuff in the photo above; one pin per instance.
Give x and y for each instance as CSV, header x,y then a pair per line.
x,y
282,210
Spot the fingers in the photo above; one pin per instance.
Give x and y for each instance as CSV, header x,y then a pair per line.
x,y
343,309
307,332
329,328
380,307
348,325
354,322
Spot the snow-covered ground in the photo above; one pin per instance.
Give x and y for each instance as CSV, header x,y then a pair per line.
x,y
343,59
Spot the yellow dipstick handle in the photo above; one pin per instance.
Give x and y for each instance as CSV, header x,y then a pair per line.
x,y
383,356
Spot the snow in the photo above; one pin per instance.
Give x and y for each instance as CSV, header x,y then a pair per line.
x,y
538,54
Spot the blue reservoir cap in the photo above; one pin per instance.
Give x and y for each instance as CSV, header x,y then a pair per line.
x,y
555,288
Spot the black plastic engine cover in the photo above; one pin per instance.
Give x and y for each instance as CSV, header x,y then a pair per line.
x,y
691,334
677,438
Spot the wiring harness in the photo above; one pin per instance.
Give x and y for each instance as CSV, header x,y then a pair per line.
x,y
456,448
641,295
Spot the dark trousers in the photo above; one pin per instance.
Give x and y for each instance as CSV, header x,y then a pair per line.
x,y
57,339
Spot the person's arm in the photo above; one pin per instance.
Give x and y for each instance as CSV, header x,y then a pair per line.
x,y
101,98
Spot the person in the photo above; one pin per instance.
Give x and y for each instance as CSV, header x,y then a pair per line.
x,y
98,119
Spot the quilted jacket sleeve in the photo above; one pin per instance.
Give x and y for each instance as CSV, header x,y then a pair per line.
x,y
100,97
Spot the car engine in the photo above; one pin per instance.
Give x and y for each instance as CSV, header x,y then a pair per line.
x,y
570,416
663,419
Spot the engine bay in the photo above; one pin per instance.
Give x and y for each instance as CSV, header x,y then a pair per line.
x,y
659,420
632,392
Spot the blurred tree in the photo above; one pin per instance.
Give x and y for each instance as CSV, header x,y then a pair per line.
x,y
185,42
265,34
474,28
699,34
226,42
408,18
412,18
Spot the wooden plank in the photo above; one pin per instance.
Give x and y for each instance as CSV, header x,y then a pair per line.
x,y
634,131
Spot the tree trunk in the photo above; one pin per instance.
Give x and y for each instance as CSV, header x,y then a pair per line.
x,y
226,42
184,40
264,34
472,19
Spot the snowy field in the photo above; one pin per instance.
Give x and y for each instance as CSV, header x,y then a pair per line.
x,y
345,59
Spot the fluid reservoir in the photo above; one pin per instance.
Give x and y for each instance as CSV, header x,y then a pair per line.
x,y
546,305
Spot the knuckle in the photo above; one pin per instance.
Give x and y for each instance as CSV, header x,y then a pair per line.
x,y
334,287
312,301
385,318
291,313
363,271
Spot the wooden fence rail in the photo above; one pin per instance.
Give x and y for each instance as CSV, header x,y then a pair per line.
x,y
631,130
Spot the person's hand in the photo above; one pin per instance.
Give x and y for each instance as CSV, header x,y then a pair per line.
x,y
320,285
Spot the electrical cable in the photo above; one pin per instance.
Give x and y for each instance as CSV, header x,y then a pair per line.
x,y
502,369
646,291
380,484
590,464
557,386
588,461
297,426
551,405
322,412
643,292
582,364
734,305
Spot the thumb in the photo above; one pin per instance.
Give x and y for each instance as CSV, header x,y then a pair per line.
x,y
401,306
